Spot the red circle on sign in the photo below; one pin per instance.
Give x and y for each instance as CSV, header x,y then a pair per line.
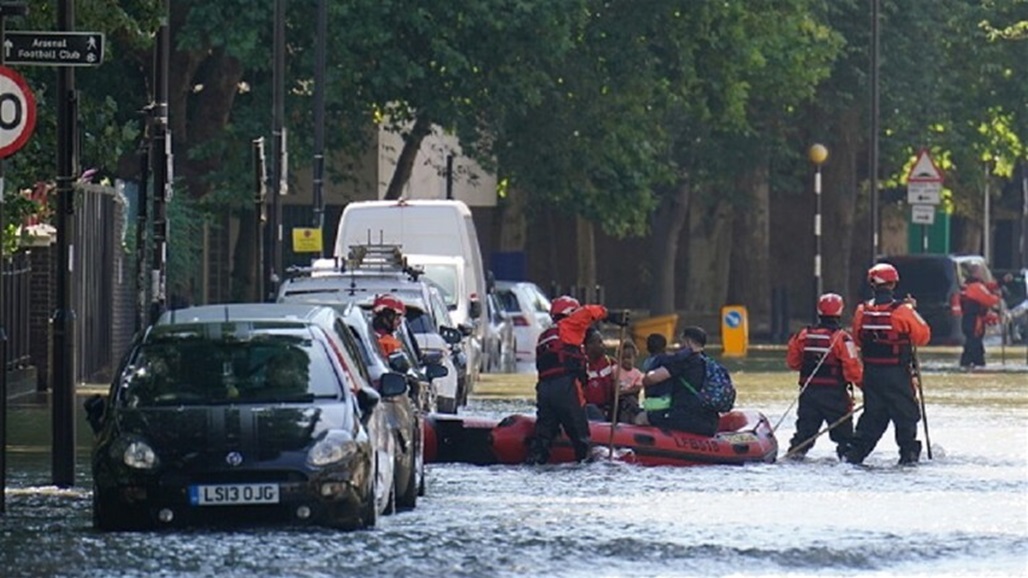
x,y
25,130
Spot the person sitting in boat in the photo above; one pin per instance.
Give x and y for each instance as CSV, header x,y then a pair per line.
x,y
630,383
599,385
670,403
656,345
827,359
560,361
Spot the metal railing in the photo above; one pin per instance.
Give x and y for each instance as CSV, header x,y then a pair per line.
x,y
15,274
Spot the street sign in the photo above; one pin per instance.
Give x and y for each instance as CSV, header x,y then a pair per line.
x,y
17,112
924,193
924,169
40,48
922,214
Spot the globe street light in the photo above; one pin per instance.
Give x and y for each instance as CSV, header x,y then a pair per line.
x,y
817,154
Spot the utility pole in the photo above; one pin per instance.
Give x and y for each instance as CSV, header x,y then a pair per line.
x,y
6,9
319,118
142,226
160,155
1024,214
277,150
873,161
63,403
260,216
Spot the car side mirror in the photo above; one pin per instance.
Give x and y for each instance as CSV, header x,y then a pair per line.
x,y
450,335
95,406
436,370
367,399
398,362
392,385
475,309
466,329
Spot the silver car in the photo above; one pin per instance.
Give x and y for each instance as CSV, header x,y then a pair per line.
x,y
529,309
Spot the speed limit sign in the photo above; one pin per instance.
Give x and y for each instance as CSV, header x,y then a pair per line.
x,y
17,112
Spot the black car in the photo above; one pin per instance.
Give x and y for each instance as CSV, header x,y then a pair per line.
x,y
241,412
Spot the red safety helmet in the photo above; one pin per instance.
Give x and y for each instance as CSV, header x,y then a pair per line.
x,y
830,305
563,306
882,273
387,302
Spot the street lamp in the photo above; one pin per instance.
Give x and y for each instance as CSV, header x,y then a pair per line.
x,y
817,154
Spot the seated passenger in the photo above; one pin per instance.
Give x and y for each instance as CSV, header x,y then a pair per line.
x,y
670,404
629,384
656,345
599,388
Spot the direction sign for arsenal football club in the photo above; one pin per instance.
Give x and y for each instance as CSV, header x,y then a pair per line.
x,y
17,112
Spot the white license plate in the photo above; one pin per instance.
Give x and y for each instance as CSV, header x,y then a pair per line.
x,y
233,494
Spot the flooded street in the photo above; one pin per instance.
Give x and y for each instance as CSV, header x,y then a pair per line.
x,y
965,513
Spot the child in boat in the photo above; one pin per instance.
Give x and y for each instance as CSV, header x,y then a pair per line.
x,y
629,380
656,345
599,387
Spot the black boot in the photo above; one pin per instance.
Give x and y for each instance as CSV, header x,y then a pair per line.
x,y
841,450
910,453
854,455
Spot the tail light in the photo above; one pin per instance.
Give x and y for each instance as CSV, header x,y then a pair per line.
x,y
954,305
520,321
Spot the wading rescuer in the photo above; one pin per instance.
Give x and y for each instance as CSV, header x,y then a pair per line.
x,y
887,330
388,313
561,363
828,362
977,301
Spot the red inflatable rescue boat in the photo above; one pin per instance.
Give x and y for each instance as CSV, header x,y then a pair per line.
x,y
743,437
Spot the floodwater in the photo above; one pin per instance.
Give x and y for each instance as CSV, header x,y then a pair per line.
x,y
964,513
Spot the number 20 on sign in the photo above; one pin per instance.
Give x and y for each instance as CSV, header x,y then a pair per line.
x,y
17,111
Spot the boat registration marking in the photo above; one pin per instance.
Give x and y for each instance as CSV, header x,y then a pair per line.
x,y
233,494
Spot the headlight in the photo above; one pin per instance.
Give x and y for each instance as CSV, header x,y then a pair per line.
x,y
335,447
138,454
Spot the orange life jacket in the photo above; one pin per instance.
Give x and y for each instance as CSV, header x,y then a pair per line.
x,y
881,342
554,358
818,345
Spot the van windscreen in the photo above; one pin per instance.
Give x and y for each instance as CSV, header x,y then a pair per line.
x,y
924,277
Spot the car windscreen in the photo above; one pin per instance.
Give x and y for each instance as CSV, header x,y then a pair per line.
x,y
419,322
445,276
266,367
925,278
508,300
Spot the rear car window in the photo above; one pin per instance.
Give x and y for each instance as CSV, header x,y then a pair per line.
x,y
190,369
508,300
924,276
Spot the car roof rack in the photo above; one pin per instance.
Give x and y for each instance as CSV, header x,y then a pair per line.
x,y
381,257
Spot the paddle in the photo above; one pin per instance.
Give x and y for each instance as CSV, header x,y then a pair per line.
x,y
617,393
801,446
807,382
916,366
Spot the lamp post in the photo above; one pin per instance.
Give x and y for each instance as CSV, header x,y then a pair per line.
x,y
817,154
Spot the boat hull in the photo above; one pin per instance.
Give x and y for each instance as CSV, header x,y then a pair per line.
x,y
743,437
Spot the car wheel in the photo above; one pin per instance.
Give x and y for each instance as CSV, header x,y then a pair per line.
x,y
407,498
109,518
369,510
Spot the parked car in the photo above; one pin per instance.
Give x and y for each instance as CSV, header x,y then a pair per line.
x,y
448,273
529,309
499,345
935,281
241,412
404,413
1014,284
434,338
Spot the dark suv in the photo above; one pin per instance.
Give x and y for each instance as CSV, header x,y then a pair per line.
x,y
935,281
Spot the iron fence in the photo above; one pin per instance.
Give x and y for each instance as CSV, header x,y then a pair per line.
x,y
15,274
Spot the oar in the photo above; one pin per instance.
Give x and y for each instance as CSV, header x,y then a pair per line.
x,y
920,394
617,394
801,446
810,377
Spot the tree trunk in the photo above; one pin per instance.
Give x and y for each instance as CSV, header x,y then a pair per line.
x,y
839,195
244,258
668,222
405,164
710,247
586,246
750,268
512,223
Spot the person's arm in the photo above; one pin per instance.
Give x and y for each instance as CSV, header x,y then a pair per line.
x,y
912,324
655,376
794,356
858,322
978,293
846,353
574,326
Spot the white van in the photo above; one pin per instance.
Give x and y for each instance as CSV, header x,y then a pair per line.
x,y
422,227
